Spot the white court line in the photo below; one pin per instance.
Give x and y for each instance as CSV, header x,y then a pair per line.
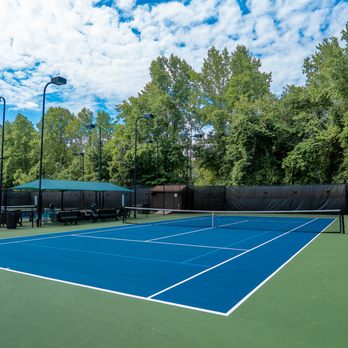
x,y
225,314
189,232
86,251
238,242
155,242
275,272
113,292
33,239
179,234
233,223
67,234
110,229
228,260
64,234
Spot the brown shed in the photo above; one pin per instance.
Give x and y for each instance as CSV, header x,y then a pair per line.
x,y
171,196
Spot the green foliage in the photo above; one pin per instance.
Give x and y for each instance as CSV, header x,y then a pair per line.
x,y
246,82
19,151
255,148
251,135
313,160
56,142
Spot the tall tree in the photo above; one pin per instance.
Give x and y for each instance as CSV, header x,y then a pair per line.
x,y
212,85
56,142
317,118
21,152
169,97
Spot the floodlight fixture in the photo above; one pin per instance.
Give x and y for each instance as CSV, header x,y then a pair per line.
x,y
58,80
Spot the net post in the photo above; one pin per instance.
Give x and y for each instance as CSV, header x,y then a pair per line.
x,y
212,219
342,225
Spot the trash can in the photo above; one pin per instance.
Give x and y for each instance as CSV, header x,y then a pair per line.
x,y
11,220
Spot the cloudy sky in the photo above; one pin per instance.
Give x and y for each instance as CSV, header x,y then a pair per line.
x,y
104,48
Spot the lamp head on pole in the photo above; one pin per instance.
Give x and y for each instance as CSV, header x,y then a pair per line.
x,y
198,136
58,80
148,116
90,126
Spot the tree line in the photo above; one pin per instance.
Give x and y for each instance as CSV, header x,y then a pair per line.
x,y
221,125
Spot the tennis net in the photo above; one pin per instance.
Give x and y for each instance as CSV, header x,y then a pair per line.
x,y
297,220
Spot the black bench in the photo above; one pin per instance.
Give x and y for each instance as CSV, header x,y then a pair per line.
x,y
107,214
19,217
69,216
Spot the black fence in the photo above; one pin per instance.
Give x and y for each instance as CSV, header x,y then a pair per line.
x,y
67,199
295,197
209,198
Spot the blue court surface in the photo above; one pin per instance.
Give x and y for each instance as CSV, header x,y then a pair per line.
x,y
204,268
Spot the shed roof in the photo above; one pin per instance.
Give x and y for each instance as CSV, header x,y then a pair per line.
x,y
66,185
169,188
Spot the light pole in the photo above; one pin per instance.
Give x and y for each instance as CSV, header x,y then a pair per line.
x,y
146,117
82,155
195,136
82,193
156,141
157,146
59,81
93,126
2,149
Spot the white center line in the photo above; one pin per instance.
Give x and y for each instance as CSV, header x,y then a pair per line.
x,y
179,234
194,231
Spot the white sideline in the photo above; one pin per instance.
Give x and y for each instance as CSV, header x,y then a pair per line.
x,y
228,260
32,238
275,272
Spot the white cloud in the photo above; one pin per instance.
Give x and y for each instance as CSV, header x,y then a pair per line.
x,y
105,57
125,5
27,105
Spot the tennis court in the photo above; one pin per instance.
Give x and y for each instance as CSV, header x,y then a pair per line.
x,y
194,262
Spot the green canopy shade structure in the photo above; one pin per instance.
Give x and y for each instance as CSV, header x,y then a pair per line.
x,y
65,185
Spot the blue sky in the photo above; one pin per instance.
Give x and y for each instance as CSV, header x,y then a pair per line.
x,y
104,48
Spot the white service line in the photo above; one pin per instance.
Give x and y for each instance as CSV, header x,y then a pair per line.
x,y
86,251
233,223
179,234
165,243
228,260
194,231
